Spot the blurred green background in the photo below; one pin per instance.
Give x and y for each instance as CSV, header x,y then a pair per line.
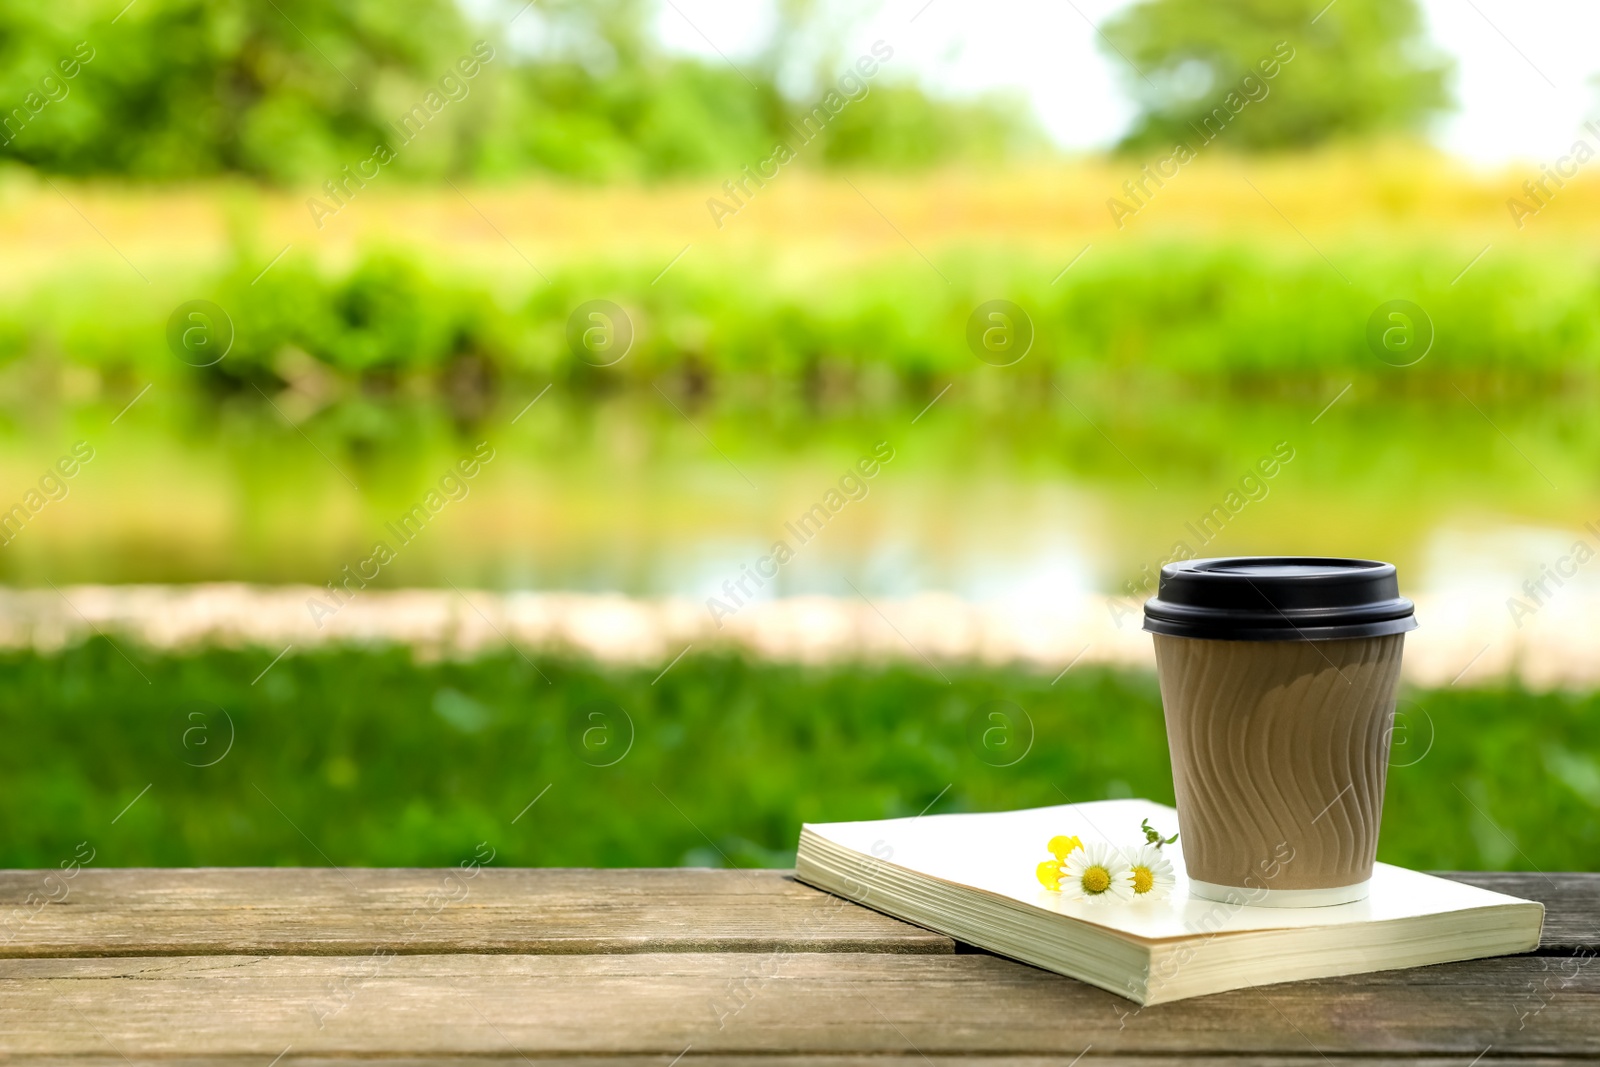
x,y
393,213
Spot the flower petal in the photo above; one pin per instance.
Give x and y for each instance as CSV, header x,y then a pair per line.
x,y
1049,873
1061,846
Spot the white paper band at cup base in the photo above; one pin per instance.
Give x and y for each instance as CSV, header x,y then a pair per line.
x,y
1280,898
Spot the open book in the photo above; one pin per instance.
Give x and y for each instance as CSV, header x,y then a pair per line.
x,y
972,877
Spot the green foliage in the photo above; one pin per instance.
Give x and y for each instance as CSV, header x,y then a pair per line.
x,y
180,88
367,758
660,118
294,91
1250,317
1362,68
899,126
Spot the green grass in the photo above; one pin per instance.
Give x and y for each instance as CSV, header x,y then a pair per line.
x,y
368,758
1261,317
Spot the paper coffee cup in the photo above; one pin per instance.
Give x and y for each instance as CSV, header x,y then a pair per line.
x,y
1278,678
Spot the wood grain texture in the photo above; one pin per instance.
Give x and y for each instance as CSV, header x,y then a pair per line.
x,y
743,1004
320,911
1571,903
352,911
293,1058
630,968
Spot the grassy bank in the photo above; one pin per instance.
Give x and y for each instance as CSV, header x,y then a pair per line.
x,y
1256,317
364,757
859,290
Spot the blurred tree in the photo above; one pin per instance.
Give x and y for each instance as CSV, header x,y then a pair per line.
x,y
1363,67
594,96
898,125
894,123
299,90
176,88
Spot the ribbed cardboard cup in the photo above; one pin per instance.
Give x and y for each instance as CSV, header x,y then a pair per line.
x,y
1278,679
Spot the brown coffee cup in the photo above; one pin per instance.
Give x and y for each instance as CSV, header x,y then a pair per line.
x,y
1278,678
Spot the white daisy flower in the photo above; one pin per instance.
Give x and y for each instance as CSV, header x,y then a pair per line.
x,y
1152,873
1097,872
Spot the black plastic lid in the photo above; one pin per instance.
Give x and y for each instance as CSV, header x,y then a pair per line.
x,y
1278,598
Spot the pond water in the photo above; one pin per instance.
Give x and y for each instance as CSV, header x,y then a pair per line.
x,y
651,497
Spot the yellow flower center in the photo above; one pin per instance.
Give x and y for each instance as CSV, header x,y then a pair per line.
x,y
1143,879
1096,880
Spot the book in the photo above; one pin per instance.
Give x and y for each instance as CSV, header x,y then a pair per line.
x,y
972,877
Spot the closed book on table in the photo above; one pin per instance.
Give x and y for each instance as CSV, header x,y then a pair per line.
x,y
972,877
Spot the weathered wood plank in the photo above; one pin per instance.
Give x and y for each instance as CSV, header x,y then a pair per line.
x,y
314,911
292,1058
744,1004
1571,903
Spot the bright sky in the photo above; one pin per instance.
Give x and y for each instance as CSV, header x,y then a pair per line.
x,y
1525,77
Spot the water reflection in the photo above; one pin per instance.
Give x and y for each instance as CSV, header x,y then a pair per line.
x,y
1030,508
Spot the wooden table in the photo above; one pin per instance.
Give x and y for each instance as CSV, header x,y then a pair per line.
x,y
328,966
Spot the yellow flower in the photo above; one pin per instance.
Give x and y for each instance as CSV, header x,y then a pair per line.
x,y
1049,872
1061,846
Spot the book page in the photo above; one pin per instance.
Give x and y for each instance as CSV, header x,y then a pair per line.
x,y
998,852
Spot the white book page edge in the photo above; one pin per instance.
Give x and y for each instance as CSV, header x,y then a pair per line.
x,y
998,852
